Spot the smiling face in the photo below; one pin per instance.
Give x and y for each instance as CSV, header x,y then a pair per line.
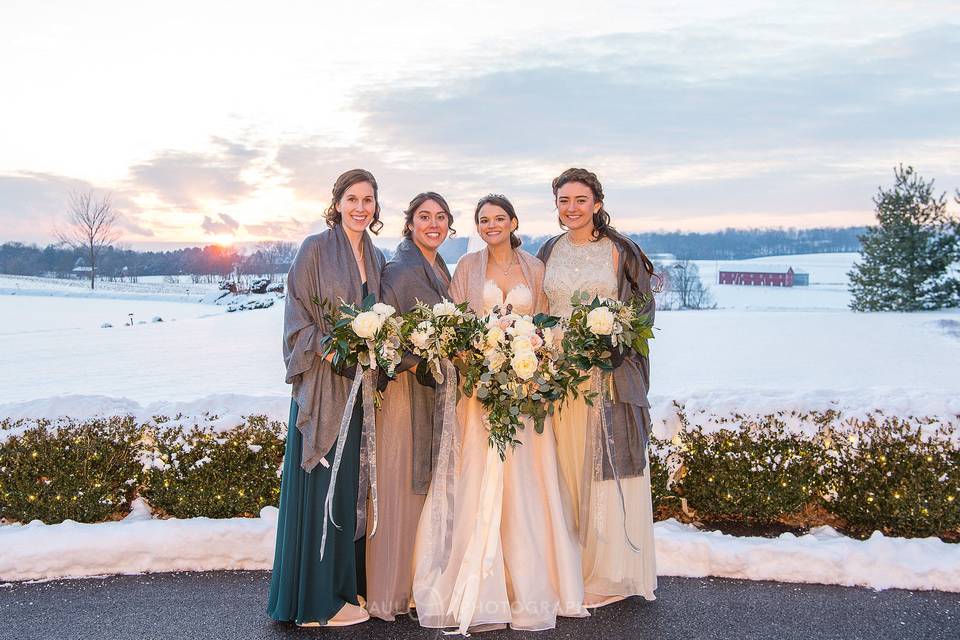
x,y
357,207
576,205
429,226
494,224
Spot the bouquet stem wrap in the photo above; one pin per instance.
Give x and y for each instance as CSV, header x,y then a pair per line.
x,y
368,458
441,514
599,441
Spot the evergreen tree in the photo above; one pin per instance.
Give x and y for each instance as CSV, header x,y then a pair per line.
x,y
907,259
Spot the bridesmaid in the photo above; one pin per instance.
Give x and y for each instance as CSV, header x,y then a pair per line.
x,y
340,262
406,431
617,541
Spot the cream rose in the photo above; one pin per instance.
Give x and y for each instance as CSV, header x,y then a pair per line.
x,y
366,324
495,336
600,321
525,364
521,344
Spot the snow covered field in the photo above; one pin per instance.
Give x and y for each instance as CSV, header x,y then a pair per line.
x,y
763,350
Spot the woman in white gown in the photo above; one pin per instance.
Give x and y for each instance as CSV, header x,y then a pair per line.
x,y
510,554
614,514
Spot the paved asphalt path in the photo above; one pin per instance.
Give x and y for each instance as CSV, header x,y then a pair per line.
x,y
230,605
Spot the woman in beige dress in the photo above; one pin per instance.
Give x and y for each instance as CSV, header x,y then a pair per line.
x,y
406,428
511,555
614,515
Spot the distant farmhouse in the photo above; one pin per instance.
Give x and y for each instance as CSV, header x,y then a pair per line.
x,y
81,270
763,275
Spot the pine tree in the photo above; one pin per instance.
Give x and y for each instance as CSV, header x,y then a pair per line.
x,y
908,260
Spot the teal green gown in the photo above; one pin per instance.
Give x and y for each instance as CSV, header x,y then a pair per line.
x,y
302,588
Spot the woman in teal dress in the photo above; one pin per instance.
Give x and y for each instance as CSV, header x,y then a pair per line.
x,y
307,587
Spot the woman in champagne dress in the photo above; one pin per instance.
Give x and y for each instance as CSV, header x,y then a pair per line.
x,y
405,422
614,516
509,554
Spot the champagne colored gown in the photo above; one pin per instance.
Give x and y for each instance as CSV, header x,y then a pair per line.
x,y
610,566
514,556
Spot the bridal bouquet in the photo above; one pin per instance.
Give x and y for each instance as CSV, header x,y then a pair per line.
x,y
516,369
597,327
439,332
368,335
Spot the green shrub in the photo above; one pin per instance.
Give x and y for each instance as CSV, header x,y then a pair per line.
x,y
756,471
82,471
886,475
201,471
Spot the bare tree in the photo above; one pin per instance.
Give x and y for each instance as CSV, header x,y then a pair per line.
x,y
277,255
91,226
686,288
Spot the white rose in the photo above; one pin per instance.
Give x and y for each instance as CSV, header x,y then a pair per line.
x,y
600,321
383,310
525,364
495,336
445,308
366,324
523,327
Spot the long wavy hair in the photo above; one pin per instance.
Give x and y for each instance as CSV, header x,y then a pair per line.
x,y
501,201
344,182
416,203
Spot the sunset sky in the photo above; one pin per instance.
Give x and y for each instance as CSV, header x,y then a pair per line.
x,y
228,121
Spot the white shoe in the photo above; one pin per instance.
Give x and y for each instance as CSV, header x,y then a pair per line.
x,y
349,614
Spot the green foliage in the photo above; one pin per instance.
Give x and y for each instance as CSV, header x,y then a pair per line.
x,y
885,475
755,472
82,471
907,257
896,475
204,472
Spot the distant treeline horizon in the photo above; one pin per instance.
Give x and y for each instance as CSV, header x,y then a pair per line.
x,y
17,258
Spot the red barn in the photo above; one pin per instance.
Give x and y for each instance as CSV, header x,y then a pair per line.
x,y
757,275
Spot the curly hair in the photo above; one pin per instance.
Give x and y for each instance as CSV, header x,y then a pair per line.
x,y
601,219
417,202
344,182
501,201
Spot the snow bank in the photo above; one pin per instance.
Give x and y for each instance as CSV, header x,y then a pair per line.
x,y
141,544
136,544
822,556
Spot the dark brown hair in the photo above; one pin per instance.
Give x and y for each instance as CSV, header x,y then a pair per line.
x,y
415,205
601,219
344,182
501,201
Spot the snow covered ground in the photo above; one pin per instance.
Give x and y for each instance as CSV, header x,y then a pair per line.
x,y
763,350
141,544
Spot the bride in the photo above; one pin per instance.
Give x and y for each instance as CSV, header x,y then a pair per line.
x,y
507,553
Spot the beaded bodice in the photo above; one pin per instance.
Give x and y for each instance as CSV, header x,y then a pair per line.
x,y
582,267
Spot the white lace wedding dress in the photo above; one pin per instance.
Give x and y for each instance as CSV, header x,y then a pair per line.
x,y
514,558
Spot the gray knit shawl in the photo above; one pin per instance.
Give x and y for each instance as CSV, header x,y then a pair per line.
x,y
325,268
407,279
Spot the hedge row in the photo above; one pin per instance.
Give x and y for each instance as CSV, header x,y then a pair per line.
x,y
860,474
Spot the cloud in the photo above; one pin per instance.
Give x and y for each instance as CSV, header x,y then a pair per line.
x,y
226,225
186,179
281,228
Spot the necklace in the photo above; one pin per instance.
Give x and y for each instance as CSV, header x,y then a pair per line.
x,y
577,244
509,263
